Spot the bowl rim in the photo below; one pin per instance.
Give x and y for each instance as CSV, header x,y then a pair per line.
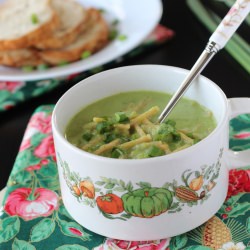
x,y
173,155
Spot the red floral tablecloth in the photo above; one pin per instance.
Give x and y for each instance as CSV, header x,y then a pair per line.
x,y
33,215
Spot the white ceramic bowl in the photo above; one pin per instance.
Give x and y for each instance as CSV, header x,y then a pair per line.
x,y
150,200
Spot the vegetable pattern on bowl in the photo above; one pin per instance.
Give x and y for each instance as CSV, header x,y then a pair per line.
x,y
117,199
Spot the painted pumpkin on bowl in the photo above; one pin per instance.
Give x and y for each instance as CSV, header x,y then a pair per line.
x,y
147,202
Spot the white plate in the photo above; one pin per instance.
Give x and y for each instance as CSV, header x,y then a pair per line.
x,y
137,18
2,193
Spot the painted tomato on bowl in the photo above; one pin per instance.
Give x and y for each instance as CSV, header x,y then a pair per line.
x,y
110,203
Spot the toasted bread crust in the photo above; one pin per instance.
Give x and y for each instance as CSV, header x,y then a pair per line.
x,y
61,39
20,58
29,39
90,42
87,32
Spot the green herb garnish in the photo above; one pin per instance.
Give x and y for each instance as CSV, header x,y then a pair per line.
x,y
115,22
102,127
109,137
121,117
122,37
113,34
27,68
85,54
116,153
155,151
170,122
167,132
42,67
63,63
102,11
34,19
87,136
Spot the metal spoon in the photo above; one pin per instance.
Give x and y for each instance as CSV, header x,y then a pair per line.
x,y
217,41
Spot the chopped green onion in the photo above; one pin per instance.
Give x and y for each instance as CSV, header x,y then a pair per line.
x,y
121,117
85,54
167,132
122,37
34,19
87,136
63,63
115,22
109,137
27,68
165,129
155,151
102,127
134,136
176,136
42,67
116,153
170,122
113,34
102,10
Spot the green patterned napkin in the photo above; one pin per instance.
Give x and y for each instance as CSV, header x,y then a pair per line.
x,y
13,93
34,217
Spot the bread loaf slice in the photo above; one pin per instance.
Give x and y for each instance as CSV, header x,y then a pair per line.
x,y
20,58
25,22
92,39
73,18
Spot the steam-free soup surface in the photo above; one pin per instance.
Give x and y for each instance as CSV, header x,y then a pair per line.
x,y
124,126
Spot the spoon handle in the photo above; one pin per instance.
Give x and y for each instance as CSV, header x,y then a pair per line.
x,y
230,22
217,41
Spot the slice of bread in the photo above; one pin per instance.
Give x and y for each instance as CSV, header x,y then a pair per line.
x,y
20,58
73,18
92,39
25,22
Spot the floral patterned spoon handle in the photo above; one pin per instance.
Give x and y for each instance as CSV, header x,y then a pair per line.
x,y
217,41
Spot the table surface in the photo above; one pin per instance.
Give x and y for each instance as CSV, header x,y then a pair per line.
x,y
182,51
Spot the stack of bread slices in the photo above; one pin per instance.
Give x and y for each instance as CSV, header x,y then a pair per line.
x,y
50,32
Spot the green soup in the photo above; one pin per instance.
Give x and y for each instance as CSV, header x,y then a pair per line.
x,y
125,126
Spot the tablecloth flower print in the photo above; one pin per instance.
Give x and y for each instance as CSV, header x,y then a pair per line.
x,y
34,217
